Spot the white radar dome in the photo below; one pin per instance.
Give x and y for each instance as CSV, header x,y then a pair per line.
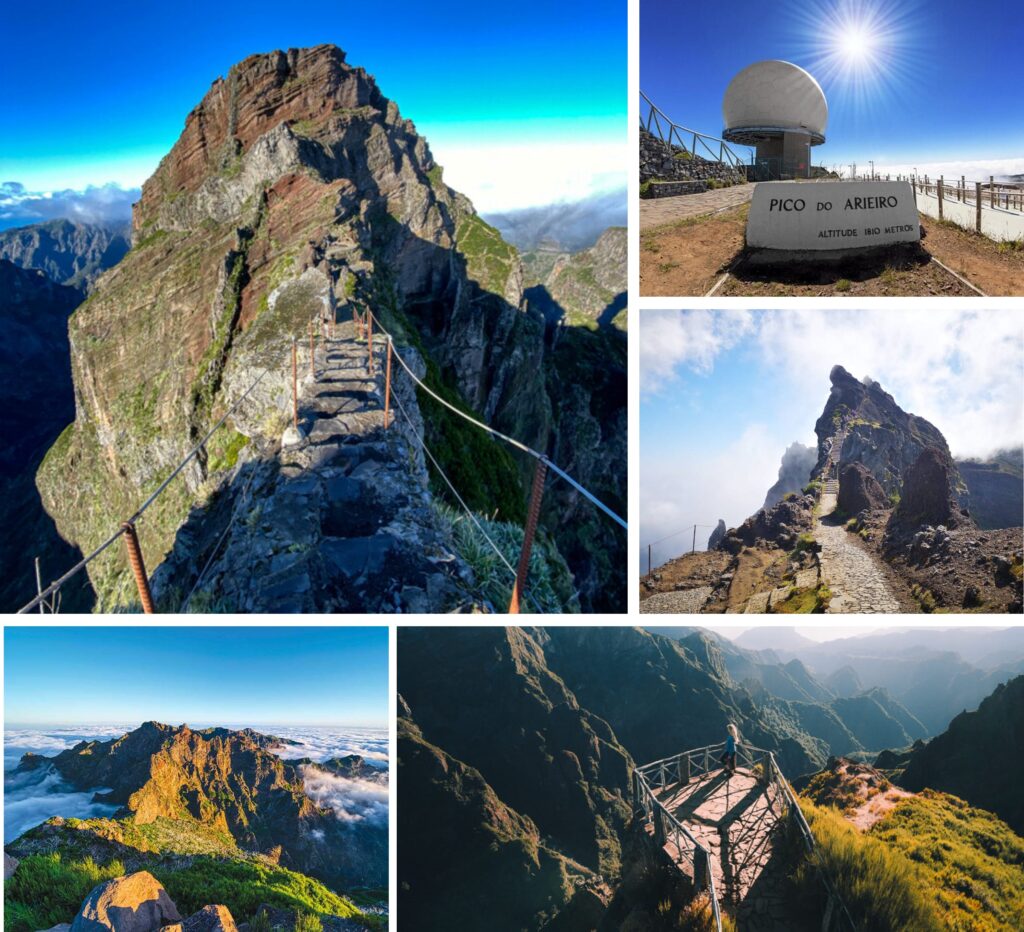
x,y
772,97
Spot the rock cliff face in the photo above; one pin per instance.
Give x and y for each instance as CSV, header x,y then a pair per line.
x,y
927,498
878,433
228,781
69,253
296,185
794,472
996,488
859,490
979,757
36,404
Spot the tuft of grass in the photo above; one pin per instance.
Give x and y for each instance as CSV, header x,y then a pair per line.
x,y
924,598
242,886
843,285
48,889
880,888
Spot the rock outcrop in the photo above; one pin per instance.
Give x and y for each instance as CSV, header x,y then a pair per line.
x,y
210,919
878,433
794,473
135,903
717,535
10,865
926,498
68,252
859,490
778,526
297,186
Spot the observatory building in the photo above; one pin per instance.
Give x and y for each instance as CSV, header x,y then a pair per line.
x,y
778,108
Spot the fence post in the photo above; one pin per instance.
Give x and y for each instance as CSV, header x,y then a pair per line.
x,y
532,516
369,344
648,559
963,190
131,540
684,771
295,385
991,190
387,388
312,352
39,587
939,189
700,867
977,205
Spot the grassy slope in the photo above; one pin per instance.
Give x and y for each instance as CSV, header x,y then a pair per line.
x,y
934,863
48,888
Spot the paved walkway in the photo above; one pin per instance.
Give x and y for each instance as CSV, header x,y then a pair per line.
x,y
737,820
685,601
657,211
857,583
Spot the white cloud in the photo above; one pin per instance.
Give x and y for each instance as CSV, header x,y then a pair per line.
x,y
321,744
32,798
109,203
508,176
352,800
971,169
707,484
691,339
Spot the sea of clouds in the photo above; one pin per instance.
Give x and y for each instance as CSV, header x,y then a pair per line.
x,y
100,204
32,798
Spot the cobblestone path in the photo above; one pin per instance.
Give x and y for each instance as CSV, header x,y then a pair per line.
x,y
857,583
657,211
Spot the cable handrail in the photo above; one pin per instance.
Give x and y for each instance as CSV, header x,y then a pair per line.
x,y
519,445
455,492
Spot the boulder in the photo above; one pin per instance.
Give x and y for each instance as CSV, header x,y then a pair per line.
x,y
135,903
210,919
10,865
926,496
859,490
717,535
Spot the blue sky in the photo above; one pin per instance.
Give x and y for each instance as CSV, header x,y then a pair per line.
x,y
908,82
197,675
104,90
722,394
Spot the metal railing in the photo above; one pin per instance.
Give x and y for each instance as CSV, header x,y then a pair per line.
x,y
688,140
700,762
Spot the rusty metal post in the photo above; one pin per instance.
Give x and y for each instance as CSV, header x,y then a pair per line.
x,y
131,540
991,191
39,587
369,344
387,388
648,559
295,385
939,188
977,205
312,352
532,517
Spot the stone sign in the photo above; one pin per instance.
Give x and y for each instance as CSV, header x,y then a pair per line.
x,y
832,215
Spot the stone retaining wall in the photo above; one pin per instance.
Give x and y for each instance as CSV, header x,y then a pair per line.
x,y
662,162
674,188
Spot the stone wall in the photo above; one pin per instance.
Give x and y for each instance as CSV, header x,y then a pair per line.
x,y
661,162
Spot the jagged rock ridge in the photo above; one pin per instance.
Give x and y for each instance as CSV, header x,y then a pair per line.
x,y
68,252
228,781
297,185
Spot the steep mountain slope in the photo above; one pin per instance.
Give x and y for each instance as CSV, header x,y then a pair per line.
x,y
36,403
297,187
228,784
794,472
663,696
487,697
979,757
496,870
69,252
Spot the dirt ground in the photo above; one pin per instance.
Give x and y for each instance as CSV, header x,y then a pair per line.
x,y
688,257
